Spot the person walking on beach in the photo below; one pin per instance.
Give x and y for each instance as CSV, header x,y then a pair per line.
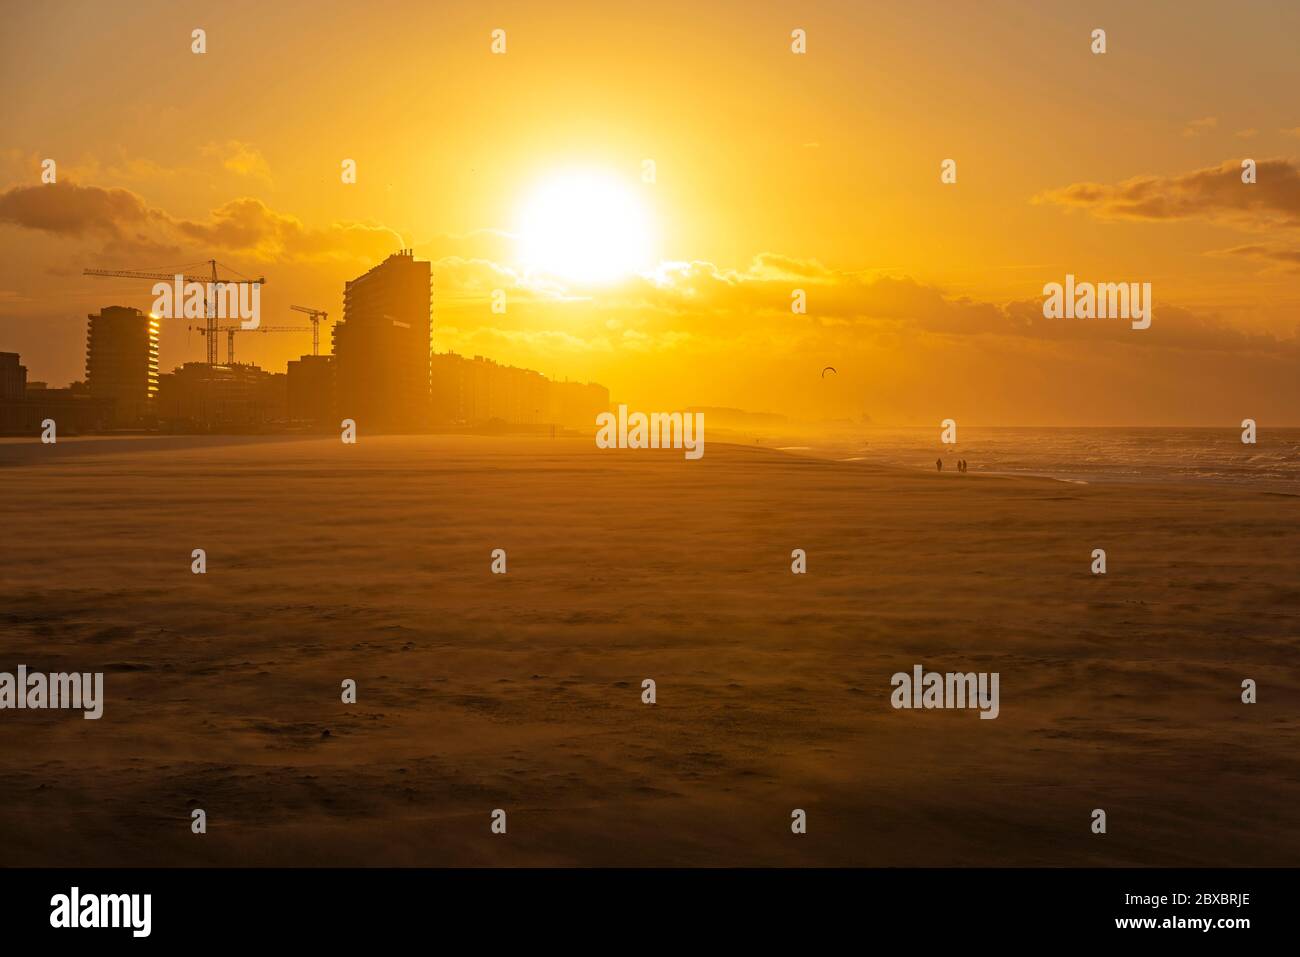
x,y
938,464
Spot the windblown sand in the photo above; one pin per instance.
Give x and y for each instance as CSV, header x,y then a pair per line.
x,y
523,691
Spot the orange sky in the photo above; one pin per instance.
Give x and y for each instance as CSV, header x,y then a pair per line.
x,y
774,171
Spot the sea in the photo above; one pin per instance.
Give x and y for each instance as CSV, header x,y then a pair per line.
x,y
1082,455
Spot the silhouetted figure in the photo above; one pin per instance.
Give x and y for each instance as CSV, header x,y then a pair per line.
x,y
938,464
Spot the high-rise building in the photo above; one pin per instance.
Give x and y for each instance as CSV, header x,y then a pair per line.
x,y
382,346
122,362
311,391
13,377
13,390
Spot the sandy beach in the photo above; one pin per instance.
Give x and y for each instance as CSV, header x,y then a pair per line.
x,y
523,691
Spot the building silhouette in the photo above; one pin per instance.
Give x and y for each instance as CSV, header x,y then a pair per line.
x,y
311,392
197,397
13,392
25,405
576,404
13,377
382,346
478,391
122,363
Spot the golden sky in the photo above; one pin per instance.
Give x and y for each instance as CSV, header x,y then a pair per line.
x,y
773,171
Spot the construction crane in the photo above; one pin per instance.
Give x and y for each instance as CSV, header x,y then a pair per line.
x,y
316,316
231,330
210,291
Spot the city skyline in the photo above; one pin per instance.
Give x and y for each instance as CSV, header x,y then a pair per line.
x,y
382,374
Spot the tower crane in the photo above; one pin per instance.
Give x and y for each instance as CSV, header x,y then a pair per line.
x,y
230,335
210,284
316,316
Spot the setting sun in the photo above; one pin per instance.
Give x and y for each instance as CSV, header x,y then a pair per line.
x,y
585,226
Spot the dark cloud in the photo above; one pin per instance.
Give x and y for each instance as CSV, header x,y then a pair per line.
x,y
244,227
68,209
1216,193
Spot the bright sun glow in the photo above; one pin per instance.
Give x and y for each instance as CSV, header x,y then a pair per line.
x,y
585,226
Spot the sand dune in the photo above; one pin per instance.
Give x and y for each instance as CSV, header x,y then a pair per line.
x,y
522,691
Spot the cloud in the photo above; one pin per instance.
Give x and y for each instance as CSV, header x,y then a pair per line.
x,y
250,228
729,310
68,209
1287,258
774,266
231,162
243,159
1215,193
1172,327
244,227
1203,125
485,244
